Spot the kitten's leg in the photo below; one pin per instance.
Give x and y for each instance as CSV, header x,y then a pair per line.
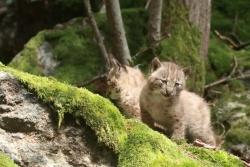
x,y
178,130
146,118
208,137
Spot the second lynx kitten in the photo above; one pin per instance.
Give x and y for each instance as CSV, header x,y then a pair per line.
x,y
165,101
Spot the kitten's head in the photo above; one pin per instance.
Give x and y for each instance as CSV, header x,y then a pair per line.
x,y
113,89
166,78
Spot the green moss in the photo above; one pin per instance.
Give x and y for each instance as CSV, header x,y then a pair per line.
x,y
220,57
145,147
26,59
134,142
5,161
215,158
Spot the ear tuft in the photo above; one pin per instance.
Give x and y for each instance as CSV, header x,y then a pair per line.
x,y
155,64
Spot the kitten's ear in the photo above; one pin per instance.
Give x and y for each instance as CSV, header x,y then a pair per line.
x,y
155,64
114,67
187,72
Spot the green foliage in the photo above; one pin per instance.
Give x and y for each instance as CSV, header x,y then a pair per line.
x,y
132,3
221,61
134,142
5,161
232,16
220,57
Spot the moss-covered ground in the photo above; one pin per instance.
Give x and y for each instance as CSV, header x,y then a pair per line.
x,y
5,161
134,142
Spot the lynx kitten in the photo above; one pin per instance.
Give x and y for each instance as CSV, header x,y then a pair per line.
x,y
165,101
124,86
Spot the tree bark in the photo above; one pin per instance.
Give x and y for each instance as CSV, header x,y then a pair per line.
x,y
154,22
199,15
121,50
98,36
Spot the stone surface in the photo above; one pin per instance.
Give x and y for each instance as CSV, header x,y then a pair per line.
x,y
29,134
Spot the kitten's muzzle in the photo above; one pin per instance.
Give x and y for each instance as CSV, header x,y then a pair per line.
x,y
168,93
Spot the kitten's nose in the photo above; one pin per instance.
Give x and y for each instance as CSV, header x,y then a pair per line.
x,y
170,91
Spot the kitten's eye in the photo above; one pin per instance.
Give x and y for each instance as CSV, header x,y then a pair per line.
x,y
177,84
164,81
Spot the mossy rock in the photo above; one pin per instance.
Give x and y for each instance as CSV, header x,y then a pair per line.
x,y
135,143
5,161
74,47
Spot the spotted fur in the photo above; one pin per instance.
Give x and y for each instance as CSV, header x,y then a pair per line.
x,y
124,86
165,101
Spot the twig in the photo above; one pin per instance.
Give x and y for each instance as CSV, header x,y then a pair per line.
x,y
142,50
3,10
200,143
234,68
98,36
147,4
247,164
98,77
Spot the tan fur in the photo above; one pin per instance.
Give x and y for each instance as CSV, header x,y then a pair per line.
x,y
165,101
124,86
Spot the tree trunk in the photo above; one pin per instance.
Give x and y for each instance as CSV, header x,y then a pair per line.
x,y
154,22
98,35
199,15
121,50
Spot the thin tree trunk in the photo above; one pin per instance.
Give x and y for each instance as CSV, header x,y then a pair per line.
x,y
120,44
154,22
199,15
98,36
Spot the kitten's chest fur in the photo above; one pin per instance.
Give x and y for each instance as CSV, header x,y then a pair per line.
x,y
129,86
162,110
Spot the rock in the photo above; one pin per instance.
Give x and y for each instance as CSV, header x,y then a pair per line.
x,y
241,150
31,138
45,58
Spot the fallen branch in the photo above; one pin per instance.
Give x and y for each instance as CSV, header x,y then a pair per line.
x,y
96,78
234,43
200,143
229,77
98,36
